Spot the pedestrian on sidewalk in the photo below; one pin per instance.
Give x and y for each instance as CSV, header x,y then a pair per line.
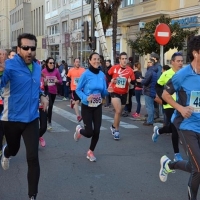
x,y
21,82
91,89
186,118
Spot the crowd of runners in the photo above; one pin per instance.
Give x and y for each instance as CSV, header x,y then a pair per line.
x,y
25,100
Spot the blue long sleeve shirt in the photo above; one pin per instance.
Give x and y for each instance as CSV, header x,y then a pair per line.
x,y
91,83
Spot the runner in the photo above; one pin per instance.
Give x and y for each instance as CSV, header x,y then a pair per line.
x,y
186,118
121,77
53,78
20,114
91,89
177,64
72,79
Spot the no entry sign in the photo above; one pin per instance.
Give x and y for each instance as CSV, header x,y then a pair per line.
x,y
162,34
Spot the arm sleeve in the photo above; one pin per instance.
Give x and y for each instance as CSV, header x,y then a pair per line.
x,y
105,92
110,72
6,75
80,86
147,79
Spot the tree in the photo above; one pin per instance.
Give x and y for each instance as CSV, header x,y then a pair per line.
x,y
145,42
106,9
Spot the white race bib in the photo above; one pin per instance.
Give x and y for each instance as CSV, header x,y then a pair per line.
x,y
50,80
76,81
195,101
121,82
96,100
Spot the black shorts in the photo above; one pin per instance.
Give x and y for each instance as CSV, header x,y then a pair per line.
x,y
75,96
122,97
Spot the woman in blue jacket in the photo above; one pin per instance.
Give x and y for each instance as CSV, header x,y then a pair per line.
x,y
91,89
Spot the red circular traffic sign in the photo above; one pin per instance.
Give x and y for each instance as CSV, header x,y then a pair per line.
x,y
162,34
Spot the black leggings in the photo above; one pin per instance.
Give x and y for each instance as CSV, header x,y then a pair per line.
x,y
52,98
43,121
191,144
170,128
92,117
30,133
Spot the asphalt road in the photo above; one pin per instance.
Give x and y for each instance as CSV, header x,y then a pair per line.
x,y
125,170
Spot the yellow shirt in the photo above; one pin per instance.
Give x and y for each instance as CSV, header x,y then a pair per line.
x,y
164,78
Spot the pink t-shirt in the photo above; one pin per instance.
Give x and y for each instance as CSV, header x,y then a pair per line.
x,y
51,76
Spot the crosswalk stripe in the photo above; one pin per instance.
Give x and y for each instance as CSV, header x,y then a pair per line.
x,y
110,119
68,115
57,127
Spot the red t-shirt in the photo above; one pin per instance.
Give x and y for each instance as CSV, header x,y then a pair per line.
x,y
122,76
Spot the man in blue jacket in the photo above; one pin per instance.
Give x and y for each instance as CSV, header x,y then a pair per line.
x,y
21,82
149,83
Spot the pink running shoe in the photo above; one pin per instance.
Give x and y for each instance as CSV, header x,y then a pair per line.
x,y
77,134
90,156
42,142
135,115
71,103
79,118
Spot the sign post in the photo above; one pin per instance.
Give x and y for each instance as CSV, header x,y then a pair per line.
x,y
162,35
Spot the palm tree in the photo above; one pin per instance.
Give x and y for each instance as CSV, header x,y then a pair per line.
x,y
107,10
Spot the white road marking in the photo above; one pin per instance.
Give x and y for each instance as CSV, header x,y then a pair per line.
x,y
57,127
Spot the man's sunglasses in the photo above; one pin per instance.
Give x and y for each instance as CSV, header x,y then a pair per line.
x,y
26,48
51,63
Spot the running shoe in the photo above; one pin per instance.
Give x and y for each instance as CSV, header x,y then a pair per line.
x,y
77,134
64,99
135,115
177,157
164,168
4,161
49,127
32,198
155,134
116,135
112,130
90,156
42,142
71,103
79,118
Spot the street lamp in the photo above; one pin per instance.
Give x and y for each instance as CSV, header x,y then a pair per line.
x,y
10,30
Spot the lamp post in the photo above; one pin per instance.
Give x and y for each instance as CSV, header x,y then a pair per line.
x,y
10,30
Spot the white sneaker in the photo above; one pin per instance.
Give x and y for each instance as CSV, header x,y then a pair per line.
x,y
4,161
112,130
77,134
49,127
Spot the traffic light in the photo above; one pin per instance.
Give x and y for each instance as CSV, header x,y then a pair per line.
x,y
85,30
92,43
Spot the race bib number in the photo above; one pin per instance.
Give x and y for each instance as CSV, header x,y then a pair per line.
x,y
195,101
96,100
50,80
76,81
121,82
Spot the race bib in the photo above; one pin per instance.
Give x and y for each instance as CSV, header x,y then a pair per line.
x,y
195,101
76,81
96,100
121,82
50,80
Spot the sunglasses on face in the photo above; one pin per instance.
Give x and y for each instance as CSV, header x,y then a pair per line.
x,y
51,63
26,48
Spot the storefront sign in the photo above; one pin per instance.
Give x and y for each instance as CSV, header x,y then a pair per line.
x,y
187,22
44,45
67,40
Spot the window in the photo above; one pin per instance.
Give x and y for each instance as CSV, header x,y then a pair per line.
x,y
64,1
54,4
52,30
48,6
77,23
64,27
127,3
58,3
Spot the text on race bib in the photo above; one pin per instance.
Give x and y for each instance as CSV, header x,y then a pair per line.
x,y
96,100
50,80
195,101
76,81
121,82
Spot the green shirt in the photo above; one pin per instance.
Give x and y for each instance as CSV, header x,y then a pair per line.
x,y
164,78
30,66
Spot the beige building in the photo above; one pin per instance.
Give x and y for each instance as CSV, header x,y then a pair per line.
x,y
28,17
5,23
132,17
